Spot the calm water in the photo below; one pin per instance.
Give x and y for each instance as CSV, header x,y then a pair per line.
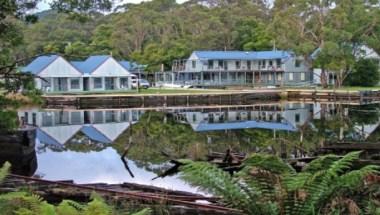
x,y
86,145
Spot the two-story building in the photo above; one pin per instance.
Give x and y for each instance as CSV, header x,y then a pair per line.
x,y
96,73
252,68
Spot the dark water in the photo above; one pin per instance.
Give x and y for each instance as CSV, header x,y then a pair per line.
x,y
86,145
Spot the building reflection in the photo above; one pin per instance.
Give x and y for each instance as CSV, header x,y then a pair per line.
x,y
56,129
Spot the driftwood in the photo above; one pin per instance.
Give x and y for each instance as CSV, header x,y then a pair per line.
x,y
55,191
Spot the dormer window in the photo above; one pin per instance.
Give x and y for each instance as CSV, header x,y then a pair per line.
x,y
194,64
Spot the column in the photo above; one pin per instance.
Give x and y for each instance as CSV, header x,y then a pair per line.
x,y
103,83
202,78
68,87
117,83
220,78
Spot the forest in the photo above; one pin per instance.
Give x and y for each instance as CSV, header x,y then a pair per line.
x,y
155,33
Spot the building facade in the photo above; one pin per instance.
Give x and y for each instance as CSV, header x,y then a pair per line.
x,y
96,73
223,68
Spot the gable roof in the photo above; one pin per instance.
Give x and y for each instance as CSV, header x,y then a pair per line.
x,y
40,63
91,63
95,134
242,55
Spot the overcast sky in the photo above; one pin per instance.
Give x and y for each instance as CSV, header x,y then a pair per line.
x,y
44,5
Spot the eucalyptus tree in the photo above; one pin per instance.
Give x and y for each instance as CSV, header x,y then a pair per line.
x,y
335,28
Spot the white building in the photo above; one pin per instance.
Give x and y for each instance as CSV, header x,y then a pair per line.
x,y
252,68
96,73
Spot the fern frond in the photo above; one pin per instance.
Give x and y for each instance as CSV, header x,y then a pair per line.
x,y
268,162
321,163
218,182
355,179
4,170
97,206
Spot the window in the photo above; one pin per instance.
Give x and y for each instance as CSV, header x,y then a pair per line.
x,y
74,83
237,64
34,118
110,116
210,64
98,117
263,64
302,76
249,65
193,64
123,83
124,116
279,77
297,63
297,118
220,64
98,83
278,63
76,118
47,119
270,63
290,77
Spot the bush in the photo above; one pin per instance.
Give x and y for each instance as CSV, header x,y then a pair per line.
x,y
366,73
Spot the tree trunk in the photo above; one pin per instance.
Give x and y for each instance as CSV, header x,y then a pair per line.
x,y
323,78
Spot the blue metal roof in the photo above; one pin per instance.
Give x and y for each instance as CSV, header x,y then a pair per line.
x,y
91,63
40,63
45,138
95,134
76,64
204,126
242,55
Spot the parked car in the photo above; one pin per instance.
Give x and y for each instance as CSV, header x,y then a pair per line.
x,y
142,82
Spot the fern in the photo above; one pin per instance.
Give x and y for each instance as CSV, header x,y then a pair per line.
x,y
4,171
267,185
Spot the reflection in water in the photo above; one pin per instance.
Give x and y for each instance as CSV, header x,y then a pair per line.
x,y
86,145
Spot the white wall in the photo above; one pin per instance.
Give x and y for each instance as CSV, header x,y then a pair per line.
x,y
110,68
60,68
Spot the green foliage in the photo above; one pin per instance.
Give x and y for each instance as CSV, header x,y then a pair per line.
x,y
24,203
365,73
260,189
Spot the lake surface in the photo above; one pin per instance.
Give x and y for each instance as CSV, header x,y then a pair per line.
x,y
86,145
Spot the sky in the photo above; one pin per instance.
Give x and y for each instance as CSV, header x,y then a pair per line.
x,y
44,4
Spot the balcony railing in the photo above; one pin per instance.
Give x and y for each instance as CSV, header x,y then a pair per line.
x,y
187,66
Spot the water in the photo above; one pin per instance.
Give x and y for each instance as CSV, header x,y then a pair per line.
x,y
86,145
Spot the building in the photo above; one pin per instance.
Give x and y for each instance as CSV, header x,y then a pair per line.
x,y
271,117
96,73
223,68
57,128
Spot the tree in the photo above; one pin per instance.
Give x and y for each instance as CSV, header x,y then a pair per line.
x,y
267,185
336,28
365,73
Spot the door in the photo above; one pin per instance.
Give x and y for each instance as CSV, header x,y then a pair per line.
x,y
86,84
110,84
